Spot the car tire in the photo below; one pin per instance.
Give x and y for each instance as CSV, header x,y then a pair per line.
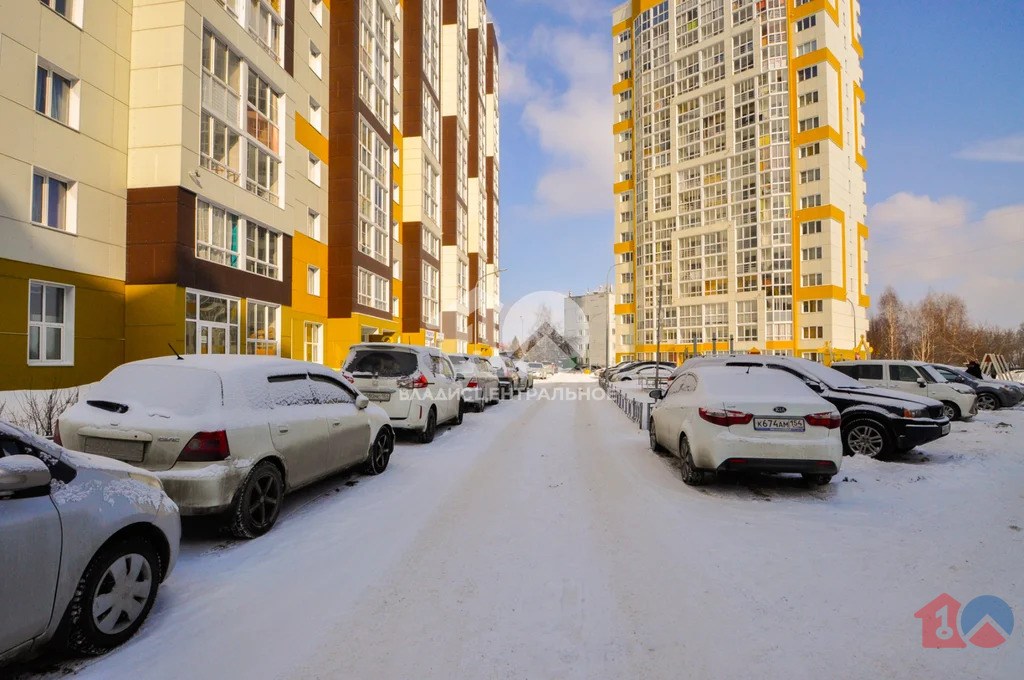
x,y
816,479
257,502
692,475
380,452
950,410
655,446
867,438
479,406
987,402
430,429
82,630
461,415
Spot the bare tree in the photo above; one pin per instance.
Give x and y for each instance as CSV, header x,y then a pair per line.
x,y
888,330
41,409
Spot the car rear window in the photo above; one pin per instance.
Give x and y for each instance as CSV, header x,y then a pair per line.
x,y
160,390
381,362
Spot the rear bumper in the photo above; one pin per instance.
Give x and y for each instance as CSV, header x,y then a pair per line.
x,y
473,395
914,432
820,467
202,488
770,455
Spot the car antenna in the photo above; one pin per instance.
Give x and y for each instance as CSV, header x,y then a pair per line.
x,y
175,352
748,370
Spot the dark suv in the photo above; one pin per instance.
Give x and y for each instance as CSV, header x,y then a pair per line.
x,y
876,422
991,394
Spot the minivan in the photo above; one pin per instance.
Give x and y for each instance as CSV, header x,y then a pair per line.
x,y
914,377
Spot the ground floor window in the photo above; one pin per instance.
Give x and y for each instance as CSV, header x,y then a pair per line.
x,y
314,342
51,334
211,323
261,322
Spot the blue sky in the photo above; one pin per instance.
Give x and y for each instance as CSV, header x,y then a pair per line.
x,y
944,124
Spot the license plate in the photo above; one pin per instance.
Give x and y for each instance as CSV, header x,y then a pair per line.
x,y
945,429
780,424
119,449
378,396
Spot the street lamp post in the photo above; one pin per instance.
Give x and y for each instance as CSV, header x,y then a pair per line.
x,y
476,324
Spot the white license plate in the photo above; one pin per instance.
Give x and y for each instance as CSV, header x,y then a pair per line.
x,y
378,396
119,449
780,424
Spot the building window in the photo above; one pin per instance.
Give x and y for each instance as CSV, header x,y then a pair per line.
x,y
211,324
812,227
809,123
315,114
313,225
431,292
51,333
62,7
53,202
261,320
807,73
813,306
806,48
316,60
313,280
55,96
811,253
219,139
265,24
812,201
217,234
810,150
263,171
431,243
374,194
431,178
746,320
807,22
314,338
812,175
374,291
313,169
808,99
316,8
810,280
262,251
813,332
219,148
262,117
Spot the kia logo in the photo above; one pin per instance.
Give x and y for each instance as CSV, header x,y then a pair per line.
x,y
780,409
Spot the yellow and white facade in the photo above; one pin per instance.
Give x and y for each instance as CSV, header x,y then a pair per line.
x,y
739,177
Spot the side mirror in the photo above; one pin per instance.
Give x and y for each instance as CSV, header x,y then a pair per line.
x,y
921,382
815,386
460,376
657,395
21,475
362,401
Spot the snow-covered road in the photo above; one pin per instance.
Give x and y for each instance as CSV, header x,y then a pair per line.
x,y
543,539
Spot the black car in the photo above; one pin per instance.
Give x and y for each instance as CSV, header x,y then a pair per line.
x,y
991,394
876,422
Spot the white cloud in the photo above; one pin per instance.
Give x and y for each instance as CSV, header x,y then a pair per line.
x,y
580,11
919,243
1006,150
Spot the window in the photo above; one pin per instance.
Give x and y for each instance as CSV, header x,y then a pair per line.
x,y
211,324
263,246
431,290
812,175
374,194
316,60
812,201
431,243
313,344
219,148
809,123
52,202
813,306
313,225
329,390
54,95
266,26
868,372
261,320
806,48
313,169
624,36
62,7
807,22
217,234
262,117
807,73
903,373
810,150
374,291
811,253
813,332
809,280
50,323
263,172
316,8
315,114
808,99
808,228
313,280
746,320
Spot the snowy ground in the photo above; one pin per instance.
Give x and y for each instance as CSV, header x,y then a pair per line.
x,y
543,539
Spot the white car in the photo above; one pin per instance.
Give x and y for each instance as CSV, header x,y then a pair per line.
x,y
526,374
231,435
960,402
508,375
84,544
733,419
644,373
479,384
415,385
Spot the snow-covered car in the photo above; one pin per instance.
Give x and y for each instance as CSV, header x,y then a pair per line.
x,y
526,374
84,544
508,376
917,378
415,385
231,435
537,370
733,419
646,372
479,384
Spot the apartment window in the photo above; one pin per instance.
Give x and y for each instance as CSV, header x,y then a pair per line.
x,y
261,322
262,117
314,342
374,291
313,224
810,150
809,280
624,36
53,202
65,8
807,73
812,175
812,227
812,201
211,324
811,253
217,234
746,320
262,251
315,115
54,95
430,190
462,283
813,306
263,172
374,194
806,48
807,99
316,8
625,56
807,22
313,280
813,332
809,123
431,289
316,60
628,319
51,333
266,25
431,243
313,169
219,139
798,3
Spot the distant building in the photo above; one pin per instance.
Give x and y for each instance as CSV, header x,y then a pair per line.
x,y
587,319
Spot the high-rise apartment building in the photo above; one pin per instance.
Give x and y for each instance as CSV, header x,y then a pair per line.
x,y
276,177
739,177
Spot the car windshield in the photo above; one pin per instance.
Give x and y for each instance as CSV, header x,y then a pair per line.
x,y
829,376
536,365
184,390
381,363
932,374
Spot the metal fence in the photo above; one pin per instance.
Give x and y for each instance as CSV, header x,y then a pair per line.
x,y
637,410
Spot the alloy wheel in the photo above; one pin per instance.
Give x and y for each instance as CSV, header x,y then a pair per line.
x,y
122,593
866,440
264,500
986,402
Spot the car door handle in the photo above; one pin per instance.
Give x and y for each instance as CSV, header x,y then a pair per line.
x,y
336,423
282,429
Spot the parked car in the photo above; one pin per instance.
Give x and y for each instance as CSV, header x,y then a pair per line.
x,y
917,378
644,372
537,370
508,377
84,544
876,422
632,366
231,435
551,367
526,374
415,385
479,383
992,394
735,419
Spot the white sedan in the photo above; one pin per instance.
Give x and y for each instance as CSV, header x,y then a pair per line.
x,y
723,418
231,435
84,545
645,372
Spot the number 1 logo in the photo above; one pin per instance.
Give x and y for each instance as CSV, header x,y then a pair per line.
x,y
938,624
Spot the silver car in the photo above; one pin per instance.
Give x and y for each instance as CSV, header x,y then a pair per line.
x,y
84,544
479,383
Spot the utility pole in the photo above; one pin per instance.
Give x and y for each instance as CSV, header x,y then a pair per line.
x,y
657,340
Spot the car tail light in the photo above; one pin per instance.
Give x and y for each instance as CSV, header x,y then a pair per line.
x,y
724,417
349,377
205,447
828,419
472,383
56,434
417,383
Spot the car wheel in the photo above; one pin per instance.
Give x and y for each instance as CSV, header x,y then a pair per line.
x,y
692,475
866,438
380,452
258,502
113,597
655,446
950,410
479,406
461,414
430,429
817,479
986,402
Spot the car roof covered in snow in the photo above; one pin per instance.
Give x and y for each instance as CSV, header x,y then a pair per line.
x,y
226,364
394,345
750,381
